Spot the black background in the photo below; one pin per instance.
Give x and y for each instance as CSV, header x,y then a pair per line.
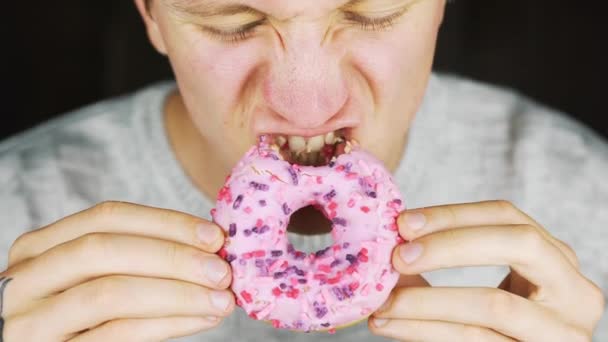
x,y
62,55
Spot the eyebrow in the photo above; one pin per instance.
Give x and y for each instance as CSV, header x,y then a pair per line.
x,y
205,9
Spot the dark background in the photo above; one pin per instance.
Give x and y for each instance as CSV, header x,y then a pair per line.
x,y
62,55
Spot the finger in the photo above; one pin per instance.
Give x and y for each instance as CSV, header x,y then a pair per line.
x,y
415,223
491,308
431,331
149,329
125,218
102,254
519,246
121,297
406,280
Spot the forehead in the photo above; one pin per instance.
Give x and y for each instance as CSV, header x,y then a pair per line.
x,y
282,9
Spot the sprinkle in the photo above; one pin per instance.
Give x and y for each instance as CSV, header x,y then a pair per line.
x,y
262,203
371,194
339,221
352,175
334,263
322,252
325,325
293,293
264,229
222,253
328,196
276,291
302,281
283,286
230,257
248,210
276,253
379,287
247,232
232,230
300,272
319,180
259,253
351,258
332,205
275,323
353,286
362,258
286,209
365,209
278,275
334,280
246,296
294,176
259,186
351,203
340,168
345,245
320,311
325,268
237,202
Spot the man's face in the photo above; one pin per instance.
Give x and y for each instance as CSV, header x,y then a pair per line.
x,y
299,69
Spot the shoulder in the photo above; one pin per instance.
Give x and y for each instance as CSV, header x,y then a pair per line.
x,y
539,143
60,166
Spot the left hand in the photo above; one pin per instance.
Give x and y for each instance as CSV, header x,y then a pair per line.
x,y
544,298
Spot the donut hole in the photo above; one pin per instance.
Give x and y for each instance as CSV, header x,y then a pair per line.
x,y
304,227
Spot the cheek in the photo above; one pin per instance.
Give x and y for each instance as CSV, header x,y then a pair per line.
x,y
213,75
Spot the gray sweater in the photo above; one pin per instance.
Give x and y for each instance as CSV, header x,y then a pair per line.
x,y
469,142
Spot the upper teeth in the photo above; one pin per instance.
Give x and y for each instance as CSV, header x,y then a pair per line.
x,y
313,144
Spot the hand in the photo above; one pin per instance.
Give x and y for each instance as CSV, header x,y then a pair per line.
x,y
544,298
115,272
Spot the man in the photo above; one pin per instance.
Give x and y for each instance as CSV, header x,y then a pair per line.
x,y
147,269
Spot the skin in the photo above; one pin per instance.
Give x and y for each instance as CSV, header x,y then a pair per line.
x,y
152,274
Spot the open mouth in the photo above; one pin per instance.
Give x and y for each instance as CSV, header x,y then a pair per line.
x,y
319,150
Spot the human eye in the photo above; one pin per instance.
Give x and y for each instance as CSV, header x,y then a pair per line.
x,y
233,35
369,22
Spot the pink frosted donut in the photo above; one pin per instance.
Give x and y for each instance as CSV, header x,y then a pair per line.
x,y
329,289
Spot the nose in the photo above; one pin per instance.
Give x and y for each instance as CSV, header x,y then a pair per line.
x,y
304,84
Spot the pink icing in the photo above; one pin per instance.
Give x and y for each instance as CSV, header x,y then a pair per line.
x,y
320,291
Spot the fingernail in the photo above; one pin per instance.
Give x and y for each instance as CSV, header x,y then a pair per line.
x,y
415,221
380,322
215,269
410,252
220,300
207,233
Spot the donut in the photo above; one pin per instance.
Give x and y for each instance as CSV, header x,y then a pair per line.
x,y
330,288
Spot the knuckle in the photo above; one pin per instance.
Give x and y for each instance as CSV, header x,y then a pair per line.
x,y
569,252
16,250
93,244
505,205
104,291
529,238
107,208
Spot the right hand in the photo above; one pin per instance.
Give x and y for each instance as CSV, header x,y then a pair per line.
x,y
115,272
